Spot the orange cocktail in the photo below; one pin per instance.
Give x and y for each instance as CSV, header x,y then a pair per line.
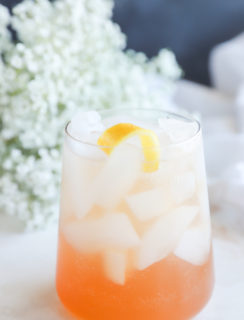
x,y
135,236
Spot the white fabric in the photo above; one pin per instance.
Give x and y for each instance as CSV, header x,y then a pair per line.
x,y
239,108
226,65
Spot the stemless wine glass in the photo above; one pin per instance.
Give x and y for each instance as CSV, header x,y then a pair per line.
x,y
135,233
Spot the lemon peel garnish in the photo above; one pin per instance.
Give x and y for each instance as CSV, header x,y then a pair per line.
x,y
118,133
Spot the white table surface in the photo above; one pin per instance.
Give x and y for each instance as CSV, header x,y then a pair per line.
x,y
27,276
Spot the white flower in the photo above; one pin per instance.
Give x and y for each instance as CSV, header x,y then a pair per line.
x,y
69,55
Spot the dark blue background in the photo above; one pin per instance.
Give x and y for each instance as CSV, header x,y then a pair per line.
x,y
189,27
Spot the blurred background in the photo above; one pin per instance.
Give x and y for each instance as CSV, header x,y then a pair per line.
x,y
191,28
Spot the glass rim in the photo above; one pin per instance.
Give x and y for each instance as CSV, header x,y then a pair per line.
x,y
164,112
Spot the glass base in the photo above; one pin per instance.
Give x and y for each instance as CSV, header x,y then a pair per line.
x,y
170,289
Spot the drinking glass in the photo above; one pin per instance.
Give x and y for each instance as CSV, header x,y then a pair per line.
x,y
135,244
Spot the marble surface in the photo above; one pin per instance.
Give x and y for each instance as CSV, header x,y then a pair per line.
x,y
27,275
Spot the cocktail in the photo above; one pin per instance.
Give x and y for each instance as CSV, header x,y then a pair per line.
x,y
134,233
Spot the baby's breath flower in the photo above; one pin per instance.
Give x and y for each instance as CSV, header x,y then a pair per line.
x,y
69,55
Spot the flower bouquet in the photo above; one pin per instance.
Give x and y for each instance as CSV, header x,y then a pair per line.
x,y
55,58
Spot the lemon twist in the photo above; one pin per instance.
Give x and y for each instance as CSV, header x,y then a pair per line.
x,y
118,133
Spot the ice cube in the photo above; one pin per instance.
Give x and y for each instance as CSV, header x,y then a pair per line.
x,y
84,131
118,175
162,176
178,130
148,204
110,231
84,123
87,150
163,236
115,266
78,174
182,187
194,245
